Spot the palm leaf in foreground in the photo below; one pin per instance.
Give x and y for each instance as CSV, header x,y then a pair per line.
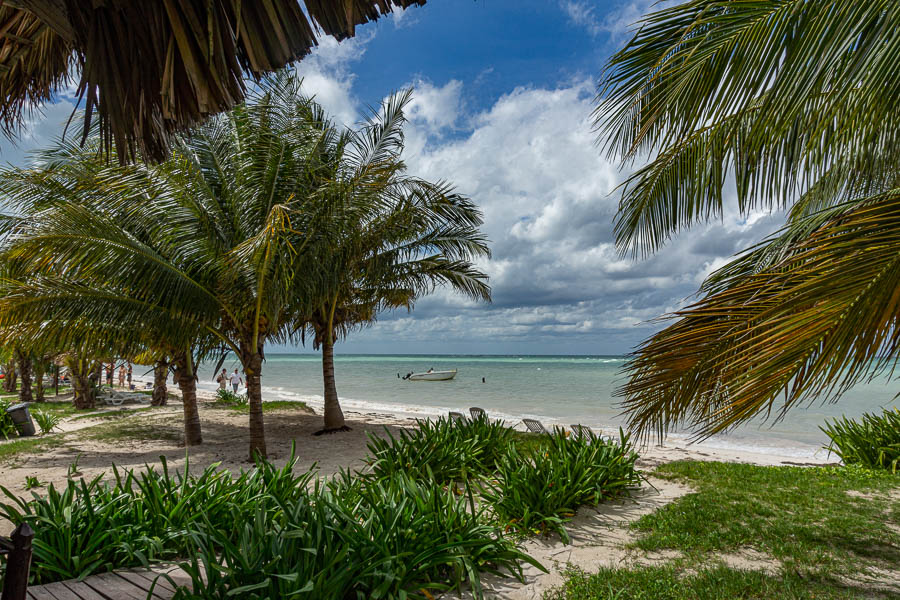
x,y
818,315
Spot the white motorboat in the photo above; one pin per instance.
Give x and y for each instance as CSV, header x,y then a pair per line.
x,y
431,376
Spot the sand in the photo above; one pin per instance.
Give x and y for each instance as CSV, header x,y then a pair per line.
x,y
599,535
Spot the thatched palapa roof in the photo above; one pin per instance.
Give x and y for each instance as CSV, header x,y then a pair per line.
x,y
149,68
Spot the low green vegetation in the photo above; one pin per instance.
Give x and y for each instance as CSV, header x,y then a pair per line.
x,y
823,529
132,430
353,525
872,441
232,401
449,451
397,530
111,415
7,428
671,583
538,491
225,397
12,448
811,520
46,421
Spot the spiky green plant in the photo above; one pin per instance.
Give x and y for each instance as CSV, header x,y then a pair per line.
x,y
229,398
872,441
540,491
7,427
47,421
391,538
446,449
796,99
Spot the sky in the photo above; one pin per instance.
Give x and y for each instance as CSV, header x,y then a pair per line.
x,y
503,96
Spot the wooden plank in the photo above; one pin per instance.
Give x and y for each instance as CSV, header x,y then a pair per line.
x,y
82,590
39,593
58,590
151,576
115,588
139,582
181,578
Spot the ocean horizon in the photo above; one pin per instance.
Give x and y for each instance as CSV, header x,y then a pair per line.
x,y
559,389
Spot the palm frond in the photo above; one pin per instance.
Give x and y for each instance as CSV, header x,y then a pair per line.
x,y
819,314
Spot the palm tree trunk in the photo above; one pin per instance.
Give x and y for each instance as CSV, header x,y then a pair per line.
x,y
80,370
25,365
253,371
9,381
39,370
160,393
187,383
334,416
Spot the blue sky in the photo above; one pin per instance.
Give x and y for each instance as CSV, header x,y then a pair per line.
x,y
503,95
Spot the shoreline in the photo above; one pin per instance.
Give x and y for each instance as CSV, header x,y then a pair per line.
x,y
675,447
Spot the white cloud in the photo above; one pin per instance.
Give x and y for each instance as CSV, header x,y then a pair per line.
x,y
327,76
582,14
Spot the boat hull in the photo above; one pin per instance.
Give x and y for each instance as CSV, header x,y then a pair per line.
x,y
433,376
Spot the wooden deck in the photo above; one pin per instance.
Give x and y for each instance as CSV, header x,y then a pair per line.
x,y
130,584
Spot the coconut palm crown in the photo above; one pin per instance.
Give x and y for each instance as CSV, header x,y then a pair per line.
x,y
391,239
201,247
795,101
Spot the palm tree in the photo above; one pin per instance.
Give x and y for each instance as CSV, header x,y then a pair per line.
x,y
797,100
391,239
201,249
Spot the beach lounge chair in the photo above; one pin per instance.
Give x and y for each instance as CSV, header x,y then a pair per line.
x,y
457,417
581,431
535,426
114,399
477,413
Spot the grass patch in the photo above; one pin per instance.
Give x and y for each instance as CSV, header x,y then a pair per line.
x,y
10,450
111,415
61,409
671,583
270,406
131,431
803,517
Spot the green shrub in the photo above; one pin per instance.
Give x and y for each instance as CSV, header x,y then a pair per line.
x,y
47,421
7,428
539,491
451,450
137,518
268,533
227,397
391,538
873,441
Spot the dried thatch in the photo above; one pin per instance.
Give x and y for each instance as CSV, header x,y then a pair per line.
x,y
150,68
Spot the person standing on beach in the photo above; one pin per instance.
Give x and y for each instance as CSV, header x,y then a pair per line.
x,y
129,376
122,376
109,374
235,380
222,379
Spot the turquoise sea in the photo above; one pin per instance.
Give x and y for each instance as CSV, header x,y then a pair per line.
x,y
556,389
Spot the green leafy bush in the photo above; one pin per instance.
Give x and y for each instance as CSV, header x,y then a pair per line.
x,y
137,518
7,428
268,533
225,396
391,538
451,450
538,492
873,441
47,421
